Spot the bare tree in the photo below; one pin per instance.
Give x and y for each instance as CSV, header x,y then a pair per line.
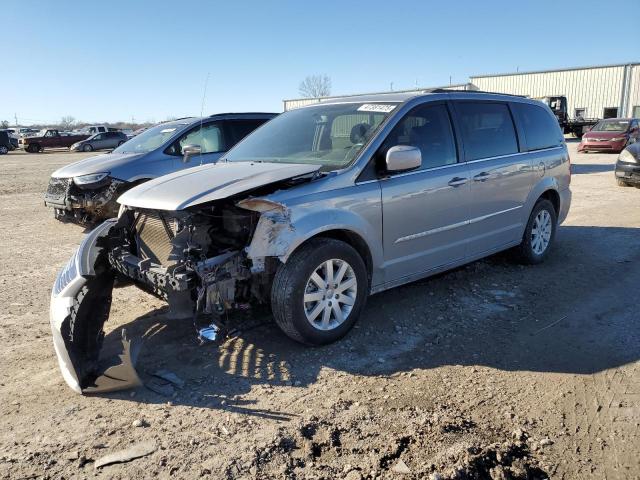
x,y
67,122
4,124
314,86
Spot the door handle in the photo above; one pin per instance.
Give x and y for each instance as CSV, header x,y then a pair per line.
x,y
481,177
457,181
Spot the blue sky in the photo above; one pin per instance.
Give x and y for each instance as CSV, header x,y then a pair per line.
x,y
109,61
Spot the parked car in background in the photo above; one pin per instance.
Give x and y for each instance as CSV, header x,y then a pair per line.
x,y
86,191
628,166
5,142
100,141
13,138
293,216
91,129
48,138
611,135
22,131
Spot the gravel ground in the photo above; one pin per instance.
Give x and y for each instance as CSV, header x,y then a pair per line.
x,y
493,370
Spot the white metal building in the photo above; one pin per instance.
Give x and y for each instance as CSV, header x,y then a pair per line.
x,y
592,92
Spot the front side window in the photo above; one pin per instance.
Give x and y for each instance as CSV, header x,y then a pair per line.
x,y
487,129
331,136
427,127
100,136
540,128
209,137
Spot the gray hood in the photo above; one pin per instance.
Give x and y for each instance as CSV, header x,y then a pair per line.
x,y
198,185
107,162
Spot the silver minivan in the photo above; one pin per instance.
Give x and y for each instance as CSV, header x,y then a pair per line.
x,y
320,208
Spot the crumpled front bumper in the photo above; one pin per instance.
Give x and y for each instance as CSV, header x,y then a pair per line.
x,y
84,206
77,274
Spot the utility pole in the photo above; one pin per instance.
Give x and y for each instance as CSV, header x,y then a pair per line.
x,y
391,86
15,115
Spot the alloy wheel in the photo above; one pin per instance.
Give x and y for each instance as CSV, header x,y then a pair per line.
x,y
541,232
330,294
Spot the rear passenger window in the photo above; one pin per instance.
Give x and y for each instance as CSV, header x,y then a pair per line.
x,y
240,129
540,127
487,130
427,127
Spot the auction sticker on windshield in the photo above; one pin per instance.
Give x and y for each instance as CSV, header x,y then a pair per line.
x,y
376,107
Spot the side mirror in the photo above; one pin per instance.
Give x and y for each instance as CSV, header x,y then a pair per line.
x,y
189,151
403,157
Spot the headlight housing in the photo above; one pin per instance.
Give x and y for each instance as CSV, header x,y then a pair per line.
x,y
617,139
90,178
627,157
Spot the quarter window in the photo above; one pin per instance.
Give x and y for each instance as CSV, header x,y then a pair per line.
x,y
540,127
427,127
487,130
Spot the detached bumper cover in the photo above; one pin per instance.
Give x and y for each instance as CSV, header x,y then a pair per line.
x,y
71,280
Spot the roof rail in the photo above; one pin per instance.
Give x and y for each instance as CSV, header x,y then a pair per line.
x,y
444,90
242,113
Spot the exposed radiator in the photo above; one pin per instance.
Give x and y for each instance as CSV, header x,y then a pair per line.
x,y
154,232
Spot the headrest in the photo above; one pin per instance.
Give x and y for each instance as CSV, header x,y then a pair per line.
x,y
358,132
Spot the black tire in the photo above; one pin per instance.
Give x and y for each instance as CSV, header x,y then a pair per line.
x,y
89,312
622,183
33,148
3,150
87,148
525,251
288,289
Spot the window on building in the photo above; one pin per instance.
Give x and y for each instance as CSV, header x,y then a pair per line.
x,y
580,113
427,127
541,129
610,112
487,129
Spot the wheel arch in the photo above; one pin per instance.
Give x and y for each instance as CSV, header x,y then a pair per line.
x,y
350,238
554,197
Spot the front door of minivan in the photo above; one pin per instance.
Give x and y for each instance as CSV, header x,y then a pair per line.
x,y
424,211
500,176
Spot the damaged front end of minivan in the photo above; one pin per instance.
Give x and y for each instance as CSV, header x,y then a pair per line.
x,y
204,261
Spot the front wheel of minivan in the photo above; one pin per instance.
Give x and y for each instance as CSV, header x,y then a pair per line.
x,y
539,234
318,295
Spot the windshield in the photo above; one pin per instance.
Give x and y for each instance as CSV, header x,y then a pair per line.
x,y
327,135
149,139
611,126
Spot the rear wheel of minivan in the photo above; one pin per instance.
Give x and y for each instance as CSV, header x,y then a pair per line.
x,y
539,233
318,295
